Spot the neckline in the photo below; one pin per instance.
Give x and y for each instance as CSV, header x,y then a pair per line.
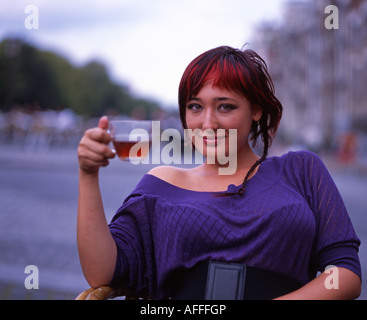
x,y
230,188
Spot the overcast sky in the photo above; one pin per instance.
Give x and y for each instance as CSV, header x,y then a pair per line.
x,y
145,44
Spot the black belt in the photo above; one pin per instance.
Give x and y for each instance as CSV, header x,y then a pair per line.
x,y
231,281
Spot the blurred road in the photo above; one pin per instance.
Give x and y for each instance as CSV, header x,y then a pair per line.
x,y
38,204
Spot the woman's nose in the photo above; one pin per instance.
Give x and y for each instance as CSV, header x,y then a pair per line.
x,y
210,120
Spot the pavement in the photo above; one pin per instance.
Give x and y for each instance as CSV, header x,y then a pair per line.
x,y
38,208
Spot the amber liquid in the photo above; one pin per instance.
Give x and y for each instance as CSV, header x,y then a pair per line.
x,y
123,149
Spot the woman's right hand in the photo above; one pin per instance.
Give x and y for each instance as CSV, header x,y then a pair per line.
x,y
97,248
93,150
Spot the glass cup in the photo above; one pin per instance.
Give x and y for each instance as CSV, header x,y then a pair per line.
x,y
131,138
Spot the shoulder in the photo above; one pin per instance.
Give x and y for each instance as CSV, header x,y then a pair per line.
x,y
303,166
155,182
291,161
302,154
170,174
301,159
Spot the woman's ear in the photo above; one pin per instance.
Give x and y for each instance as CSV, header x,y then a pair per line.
x,y
256,112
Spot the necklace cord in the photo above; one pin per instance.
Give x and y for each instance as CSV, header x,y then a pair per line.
x,y
242,189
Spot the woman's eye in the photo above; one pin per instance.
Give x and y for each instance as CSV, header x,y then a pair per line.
x,y
194,107
226,107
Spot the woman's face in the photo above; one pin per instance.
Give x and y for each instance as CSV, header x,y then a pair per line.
x,y
215,108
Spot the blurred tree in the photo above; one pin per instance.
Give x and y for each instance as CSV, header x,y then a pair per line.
x,y
28,75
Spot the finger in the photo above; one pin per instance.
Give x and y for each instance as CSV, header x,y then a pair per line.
x,y
103,123
92,165
97,150
105,163
98,134
91,160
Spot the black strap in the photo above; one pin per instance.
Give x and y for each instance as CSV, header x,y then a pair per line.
x,y
229,281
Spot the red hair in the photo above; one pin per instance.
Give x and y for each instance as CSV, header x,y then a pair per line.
x,y
242,71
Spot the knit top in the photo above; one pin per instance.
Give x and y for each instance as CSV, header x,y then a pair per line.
x,y
291,220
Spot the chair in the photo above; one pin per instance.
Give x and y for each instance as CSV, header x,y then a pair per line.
x,y
105,293
100,293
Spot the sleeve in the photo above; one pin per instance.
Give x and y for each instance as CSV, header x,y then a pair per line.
x,y
131,230
336,242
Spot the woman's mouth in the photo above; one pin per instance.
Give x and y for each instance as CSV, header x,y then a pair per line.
x,y
212,140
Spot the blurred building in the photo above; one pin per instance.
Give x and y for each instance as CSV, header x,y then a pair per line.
x,y
320,74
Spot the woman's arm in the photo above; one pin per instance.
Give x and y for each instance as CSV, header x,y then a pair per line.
x,y
97,249
336,241
342,284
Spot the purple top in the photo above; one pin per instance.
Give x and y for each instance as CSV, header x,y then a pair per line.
x,y
291,219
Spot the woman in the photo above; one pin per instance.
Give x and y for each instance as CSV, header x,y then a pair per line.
x,y
279,214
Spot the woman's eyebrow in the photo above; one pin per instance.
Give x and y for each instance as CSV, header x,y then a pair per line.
x,y
214,99
224,99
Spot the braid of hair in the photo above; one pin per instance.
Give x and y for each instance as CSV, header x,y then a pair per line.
x,y
263,157
265,138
